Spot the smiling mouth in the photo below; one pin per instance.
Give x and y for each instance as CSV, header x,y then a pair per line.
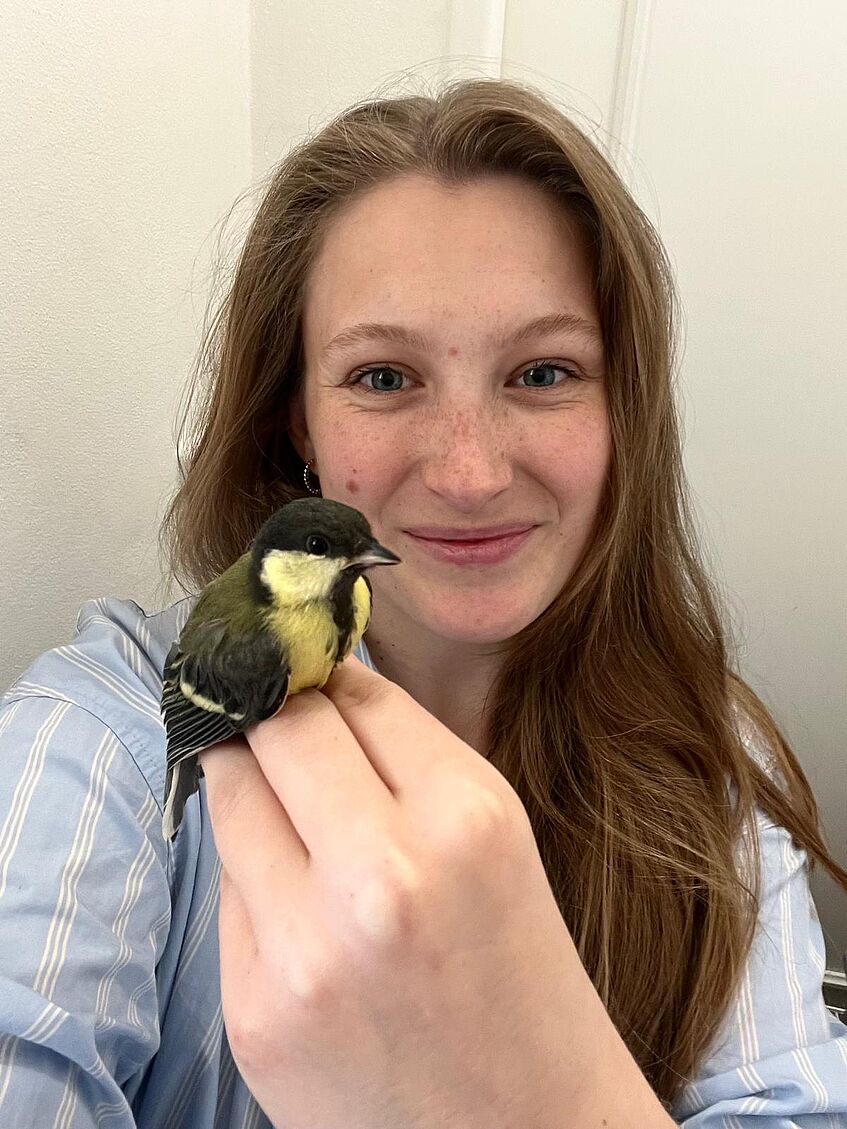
x,y
477,550
472,536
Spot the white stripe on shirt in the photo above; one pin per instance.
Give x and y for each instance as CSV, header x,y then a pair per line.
x,y
10,833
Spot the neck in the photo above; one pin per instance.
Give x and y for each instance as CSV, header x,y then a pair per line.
x,y
449,679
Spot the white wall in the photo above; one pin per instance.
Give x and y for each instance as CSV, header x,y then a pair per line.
x,y
124,130
742,126
311,60
129,131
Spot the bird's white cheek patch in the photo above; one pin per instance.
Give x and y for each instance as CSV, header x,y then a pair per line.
x,y
295,578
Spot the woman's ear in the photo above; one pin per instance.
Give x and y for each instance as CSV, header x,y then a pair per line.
x,y
298,431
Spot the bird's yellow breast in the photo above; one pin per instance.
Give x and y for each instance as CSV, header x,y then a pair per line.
x,y
310,637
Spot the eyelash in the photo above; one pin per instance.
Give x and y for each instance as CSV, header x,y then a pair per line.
x,y
356,378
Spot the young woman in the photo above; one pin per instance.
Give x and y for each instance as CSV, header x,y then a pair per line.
x,y
537,857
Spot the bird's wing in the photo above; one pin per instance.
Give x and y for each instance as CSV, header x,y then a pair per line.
x,y
240,679
236,680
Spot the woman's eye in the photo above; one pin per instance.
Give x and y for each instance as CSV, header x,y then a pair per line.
x,y
542,375
385,379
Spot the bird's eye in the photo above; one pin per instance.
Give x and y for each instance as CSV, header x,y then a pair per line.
x,y
317,546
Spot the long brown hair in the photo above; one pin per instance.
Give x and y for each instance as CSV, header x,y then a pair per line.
x,y
617,718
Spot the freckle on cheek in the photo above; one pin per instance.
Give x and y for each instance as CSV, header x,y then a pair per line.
x,y
352,486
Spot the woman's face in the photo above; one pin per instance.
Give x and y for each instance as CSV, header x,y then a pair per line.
x,y
470,420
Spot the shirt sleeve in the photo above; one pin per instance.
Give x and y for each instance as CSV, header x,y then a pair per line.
x,y
84,910
780,1060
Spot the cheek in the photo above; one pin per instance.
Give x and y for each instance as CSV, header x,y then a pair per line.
x,y
576,463
363,473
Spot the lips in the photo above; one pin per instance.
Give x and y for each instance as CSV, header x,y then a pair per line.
x,y
472,546
454,533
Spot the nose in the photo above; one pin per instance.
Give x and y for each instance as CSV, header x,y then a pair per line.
x,y
466,454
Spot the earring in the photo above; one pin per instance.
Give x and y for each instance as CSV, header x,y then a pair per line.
x,y
307,478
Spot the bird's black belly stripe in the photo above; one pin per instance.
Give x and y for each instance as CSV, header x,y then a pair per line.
x,y
341,602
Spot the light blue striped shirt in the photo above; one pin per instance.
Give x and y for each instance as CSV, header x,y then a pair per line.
x,y
110,1006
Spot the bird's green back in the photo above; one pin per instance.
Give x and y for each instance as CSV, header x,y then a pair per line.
x,y
229,598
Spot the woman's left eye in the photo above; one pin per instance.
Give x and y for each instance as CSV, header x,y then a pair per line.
x,y
539,372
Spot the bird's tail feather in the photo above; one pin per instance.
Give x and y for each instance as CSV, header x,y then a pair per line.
x,y
183,782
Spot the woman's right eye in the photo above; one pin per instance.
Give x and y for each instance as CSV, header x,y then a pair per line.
x,y
385,379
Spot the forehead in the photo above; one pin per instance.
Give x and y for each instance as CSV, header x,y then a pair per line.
x,y
492,248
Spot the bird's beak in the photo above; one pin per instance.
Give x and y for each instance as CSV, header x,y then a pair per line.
x,y
372,554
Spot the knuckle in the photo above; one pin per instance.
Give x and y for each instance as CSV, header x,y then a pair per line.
x,y
314,981
314,987
369,693
300,994
485,818
387,906
248,1037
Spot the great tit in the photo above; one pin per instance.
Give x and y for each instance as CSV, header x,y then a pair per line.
x,y
277,621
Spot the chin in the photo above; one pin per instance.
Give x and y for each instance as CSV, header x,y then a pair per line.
x,y
463,627
469,615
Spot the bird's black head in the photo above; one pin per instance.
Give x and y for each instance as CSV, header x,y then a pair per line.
x,y
303,549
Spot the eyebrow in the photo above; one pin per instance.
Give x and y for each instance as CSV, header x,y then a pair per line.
x,y
545,326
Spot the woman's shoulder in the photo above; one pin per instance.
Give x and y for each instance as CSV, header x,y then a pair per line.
x,y
112,669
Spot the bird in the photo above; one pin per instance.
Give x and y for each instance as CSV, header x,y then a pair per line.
x,y
278,620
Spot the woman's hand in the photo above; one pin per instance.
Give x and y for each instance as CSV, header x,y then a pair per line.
x,y
392,956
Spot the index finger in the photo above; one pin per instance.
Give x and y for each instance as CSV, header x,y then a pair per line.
x,y
401,738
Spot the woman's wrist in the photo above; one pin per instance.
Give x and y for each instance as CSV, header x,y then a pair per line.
x,y
599,1083
610,1091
